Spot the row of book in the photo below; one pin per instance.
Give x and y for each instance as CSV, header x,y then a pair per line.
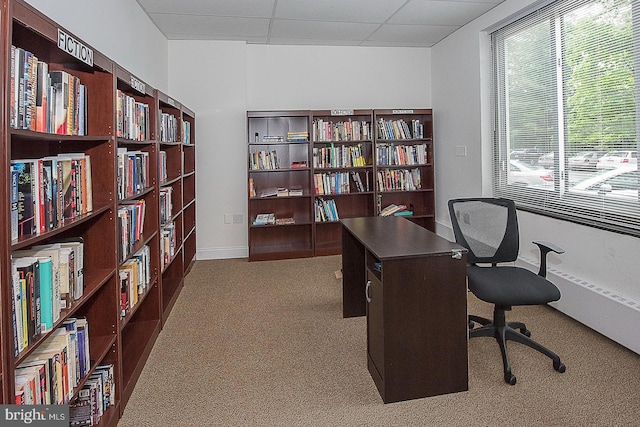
x,y
399,180
265,219
94,398
135,276
263,160
342,156
48,191
350,130
45,101
401,155
50,374
186,132
400,129
168,245
166,205
298,136
133,172
131,226
396,210
132,118
162,166
168,127
270,138
46,279
325,210
338,182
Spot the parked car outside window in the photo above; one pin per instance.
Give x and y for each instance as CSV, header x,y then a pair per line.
x,y
619,184
585,160
526,175
614,159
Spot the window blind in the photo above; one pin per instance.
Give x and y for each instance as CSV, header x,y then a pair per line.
x,y
565,112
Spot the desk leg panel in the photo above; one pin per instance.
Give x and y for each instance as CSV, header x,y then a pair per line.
x,y
353,276
425,327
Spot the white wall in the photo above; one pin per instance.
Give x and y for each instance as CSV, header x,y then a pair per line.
x,y
232,78
117,28
214,87
318,77
460,72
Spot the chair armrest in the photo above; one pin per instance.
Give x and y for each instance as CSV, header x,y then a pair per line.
x,y
545,248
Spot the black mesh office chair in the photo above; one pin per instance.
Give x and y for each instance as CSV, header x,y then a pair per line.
x,y
489,229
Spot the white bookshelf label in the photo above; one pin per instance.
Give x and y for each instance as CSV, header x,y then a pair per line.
x,y
342,112
171,102
402,112
74,48
138,85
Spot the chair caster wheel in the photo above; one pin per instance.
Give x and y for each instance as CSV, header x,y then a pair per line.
x,y
471,324
509,378
559,367
525,332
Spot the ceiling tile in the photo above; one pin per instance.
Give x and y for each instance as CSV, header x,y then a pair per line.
x,y
312,42
338,10
411,33
246,8
315,22
212,25
283,28
427,12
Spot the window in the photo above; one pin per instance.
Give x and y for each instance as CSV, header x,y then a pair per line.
x,y
565,112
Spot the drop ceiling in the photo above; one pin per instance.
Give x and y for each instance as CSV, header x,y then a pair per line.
x,y
392,23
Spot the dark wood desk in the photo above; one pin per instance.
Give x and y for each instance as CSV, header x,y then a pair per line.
x,y
411,285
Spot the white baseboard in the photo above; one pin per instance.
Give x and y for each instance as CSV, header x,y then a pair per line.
x,y
600,309
222,253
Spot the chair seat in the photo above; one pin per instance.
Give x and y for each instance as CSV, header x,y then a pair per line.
x,y
510,286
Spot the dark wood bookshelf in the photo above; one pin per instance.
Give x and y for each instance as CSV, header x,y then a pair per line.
x,y
342,148
420,201
122,340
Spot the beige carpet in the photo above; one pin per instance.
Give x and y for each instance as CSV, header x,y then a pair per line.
x,y
265,344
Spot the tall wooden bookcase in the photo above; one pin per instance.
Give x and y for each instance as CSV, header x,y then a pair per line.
x,y
352,163
276,161
118,336
413,161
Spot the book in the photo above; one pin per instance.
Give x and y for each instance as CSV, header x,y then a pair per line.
x,y
392,209
107,371
264,219
42,90
47,294
28,270
269,192
14,203
84,361
60,84
19,321
295,190
299,165
26,200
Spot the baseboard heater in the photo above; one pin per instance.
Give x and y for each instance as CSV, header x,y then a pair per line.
x,y
601,309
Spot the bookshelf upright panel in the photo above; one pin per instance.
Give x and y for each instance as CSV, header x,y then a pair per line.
x,y
171,200
138,225
5,220
63,156
404,163
280,216
343,173
189,187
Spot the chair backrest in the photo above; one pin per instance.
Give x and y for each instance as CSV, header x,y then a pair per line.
x,y
488,227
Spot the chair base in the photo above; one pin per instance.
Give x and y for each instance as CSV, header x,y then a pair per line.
x,y
503,331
